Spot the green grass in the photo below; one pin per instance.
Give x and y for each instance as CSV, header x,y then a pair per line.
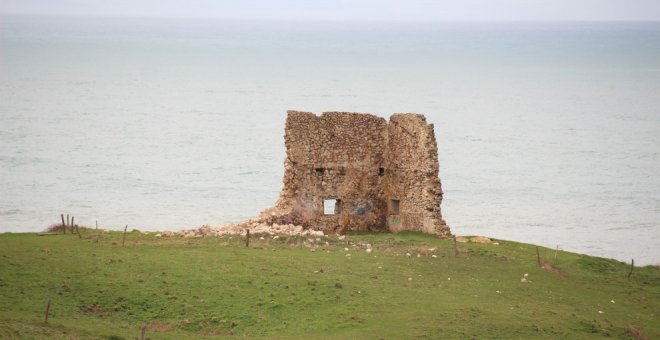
x,y
216,287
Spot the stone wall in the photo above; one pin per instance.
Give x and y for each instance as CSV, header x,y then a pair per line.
x,y
412,175
380,175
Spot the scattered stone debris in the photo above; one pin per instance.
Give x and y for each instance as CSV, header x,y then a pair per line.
x,y
475,239
480,239
256,228
524,278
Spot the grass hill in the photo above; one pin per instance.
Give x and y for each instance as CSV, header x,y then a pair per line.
x,y
380,286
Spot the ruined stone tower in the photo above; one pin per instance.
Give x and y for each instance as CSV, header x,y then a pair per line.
x,y
354,171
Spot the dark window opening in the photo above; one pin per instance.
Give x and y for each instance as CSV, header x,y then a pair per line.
x,y
394,207
331,206
381,171
320,171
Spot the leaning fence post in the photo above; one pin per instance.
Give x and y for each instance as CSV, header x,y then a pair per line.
x,y
63,224
123,238
632,266
47,310
77,229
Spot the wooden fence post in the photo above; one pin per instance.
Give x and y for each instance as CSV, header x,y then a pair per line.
x,y
97,231
247,239
123,238
455,246
63,224
632,266
143,331
47,311
538,256
77,229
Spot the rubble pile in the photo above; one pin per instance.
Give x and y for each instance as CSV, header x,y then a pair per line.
x,y
255,227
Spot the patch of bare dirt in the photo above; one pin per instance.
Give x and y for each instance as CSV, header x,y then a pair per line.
x,y
91,309
547,266
635,333
159,327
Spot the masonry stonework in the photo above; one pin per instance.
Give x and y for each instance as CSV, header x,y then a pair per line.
x,y
358,172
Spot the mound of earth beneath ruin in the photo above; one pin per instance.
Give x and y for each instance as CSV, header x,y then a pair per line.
x,y
260,228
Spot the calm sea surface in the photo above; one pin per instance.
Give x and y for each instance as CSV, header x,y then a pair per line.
x,y
547,133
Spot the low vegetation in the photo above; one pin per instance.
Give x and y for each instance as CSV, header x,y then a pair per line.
x,y
381,286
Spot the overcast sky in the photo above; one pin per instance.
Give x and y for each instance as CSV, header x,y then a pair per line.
x,y
408,10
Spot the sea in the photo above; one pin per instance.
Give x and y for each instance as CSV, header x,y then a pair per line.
x,y
548,132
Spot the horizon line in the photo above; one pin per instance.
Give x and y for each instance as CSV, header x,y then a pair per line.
x,y
324,20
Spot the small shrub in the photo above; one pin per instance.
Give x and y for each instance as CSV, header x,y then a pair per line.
x,y
54,228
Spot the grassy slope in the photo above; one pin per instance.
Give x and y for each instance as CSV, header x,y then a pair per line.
x,y
192,288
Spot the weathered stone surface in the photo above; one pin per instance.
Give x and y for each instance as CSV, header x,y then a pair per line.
x,y
381,175
480,239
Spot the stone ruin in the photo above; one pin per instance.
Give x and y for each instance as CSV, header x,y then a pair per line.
x,y
358,172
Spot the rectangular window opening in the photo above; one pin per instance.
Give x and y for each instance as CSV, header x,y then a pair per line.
x,y
394,207
381,171
320,171
331,206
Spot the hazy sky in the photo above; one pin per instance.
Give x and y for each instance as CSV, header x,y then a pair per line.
x,y
409,10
